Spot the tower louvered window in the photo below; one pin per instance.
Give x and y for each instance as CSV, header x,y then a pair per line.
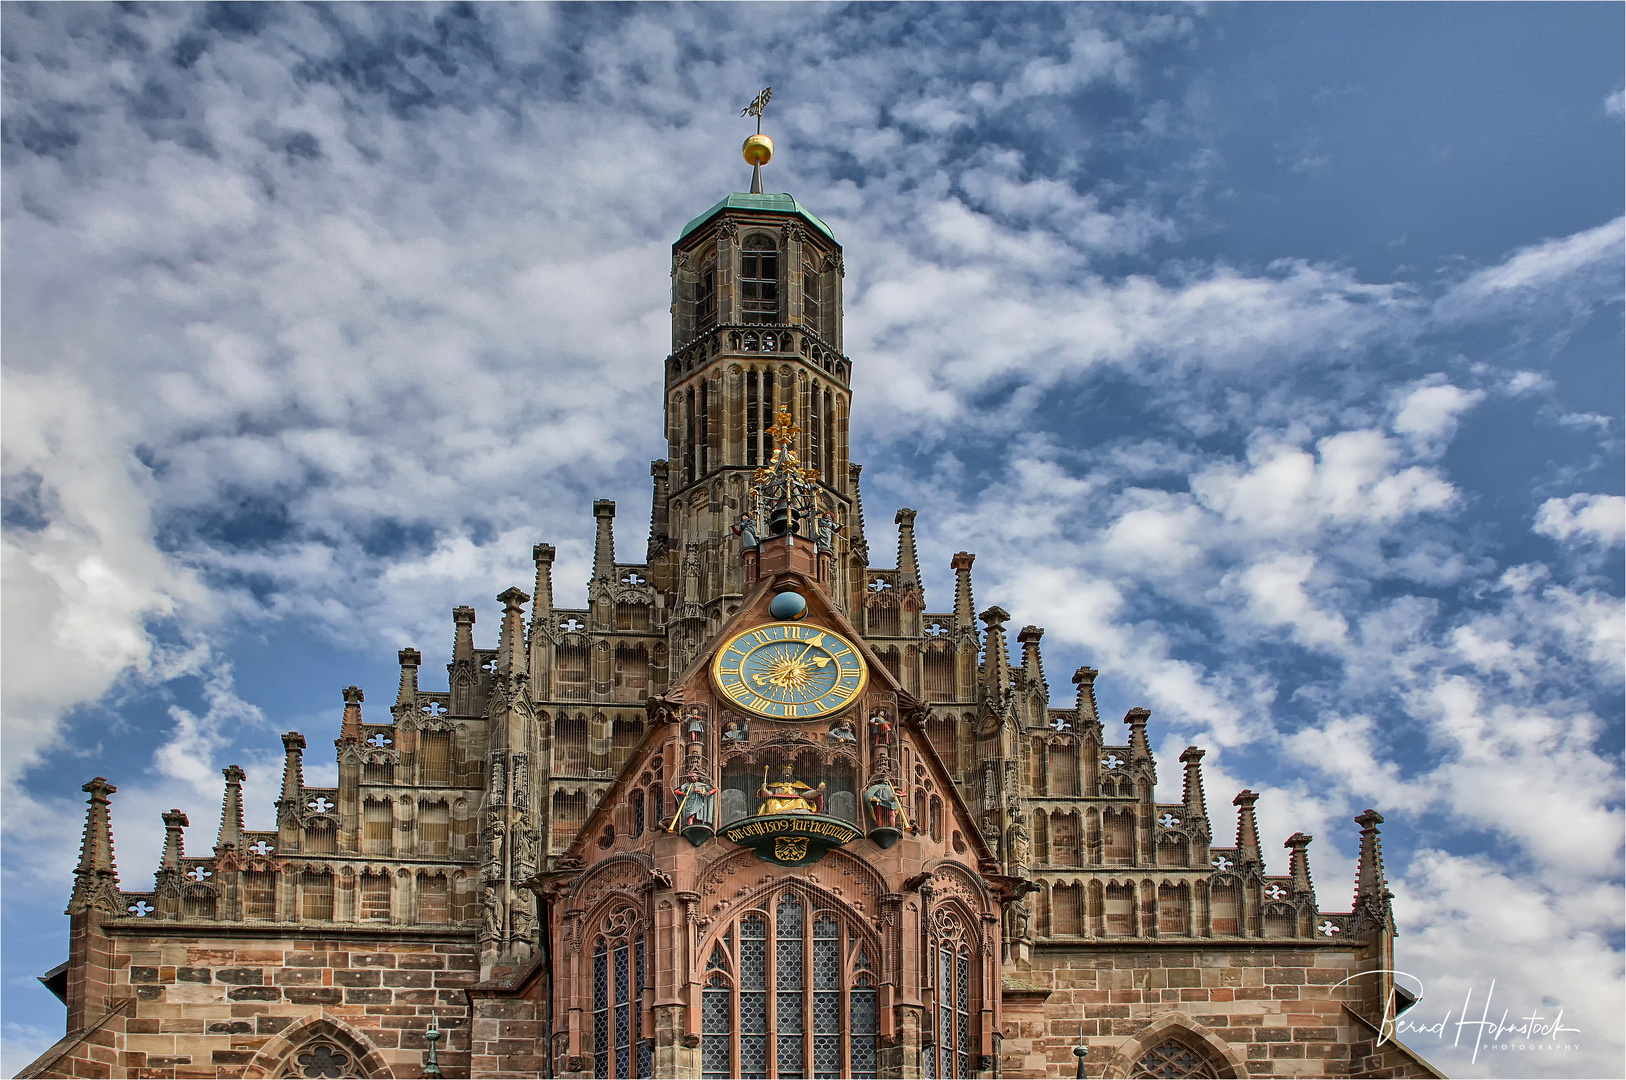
x,y
794,999
759,280
622,1045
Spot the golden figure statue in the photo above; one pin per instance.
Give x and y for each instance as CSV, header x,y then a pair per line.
x,y
788,795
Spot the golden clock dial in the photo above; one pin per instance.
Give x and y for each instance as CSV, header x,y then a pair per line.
x,y
790,671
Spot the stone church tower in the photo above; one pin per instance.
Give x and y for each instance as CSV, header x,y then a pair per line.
x,y
753,810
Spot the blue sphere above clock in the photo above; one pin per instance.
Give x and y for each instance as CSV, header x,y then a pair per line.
x,y
788,606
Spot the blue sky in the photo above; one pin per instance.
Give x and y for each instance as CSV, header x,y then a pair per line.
x,y
1269,356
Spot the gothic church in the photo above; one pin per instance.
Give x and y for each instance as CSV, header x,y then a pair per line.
x,y
755,810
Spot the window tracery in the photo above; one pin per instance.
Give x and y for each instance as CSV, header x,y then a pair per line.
x,y
803,1008
620,1045
322,1059
950,1055
1175,1059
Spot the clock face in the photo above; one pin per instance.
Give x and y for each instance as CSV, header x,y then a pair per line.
x,y
789,671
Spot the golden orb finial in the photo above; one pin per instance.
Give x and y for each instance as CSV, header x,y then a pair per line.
x,y
758,150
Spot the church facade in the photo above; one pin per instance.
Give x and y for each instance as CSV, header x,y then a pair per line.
x,y
753,810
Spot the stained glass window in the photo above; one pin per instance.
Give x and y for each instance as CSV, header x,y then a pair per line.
x,y
601,1011
619,1048
951,1055
803,1008
716,1050
753,998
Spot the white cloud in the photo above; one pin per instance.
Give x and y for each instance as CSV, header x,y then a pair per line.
x,y
1429,413
1534,271
1584,519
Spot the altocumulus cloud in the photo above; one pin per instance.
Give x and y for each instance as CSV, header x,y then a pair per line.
x,y
317,317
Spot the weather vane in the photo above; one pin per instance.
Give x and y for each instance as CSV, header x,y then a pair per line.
x,y
758,148
758,103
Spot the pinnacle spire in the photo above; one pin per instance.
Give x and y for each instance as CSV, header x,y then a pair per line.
x,y
96,878
1298,864
463,634
174,840
542,610
1084,679
1196,805
231,809
964,605
407,695
511,654
604,544
1247,830
1139,748
908,562
293,768
996,663
1371,886
1032,664
350,726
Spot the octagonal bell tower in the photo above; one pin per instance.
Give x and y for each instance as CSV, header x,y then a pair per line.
x,y
756,328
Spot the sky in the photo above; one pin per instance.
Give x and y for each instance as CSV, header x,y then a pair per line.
x,y
1269,356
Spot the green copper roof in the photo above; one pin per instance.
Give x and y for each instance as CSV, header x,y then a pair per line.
x,y
783,204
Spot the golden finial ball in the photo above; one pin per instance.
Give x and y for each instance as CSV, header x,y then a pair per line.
x,y
758,149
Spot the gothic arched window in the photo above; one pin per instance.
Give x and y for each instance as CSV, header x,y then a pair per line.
x,y
949,1055
789,996
759,279
1176,1059
621,1048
